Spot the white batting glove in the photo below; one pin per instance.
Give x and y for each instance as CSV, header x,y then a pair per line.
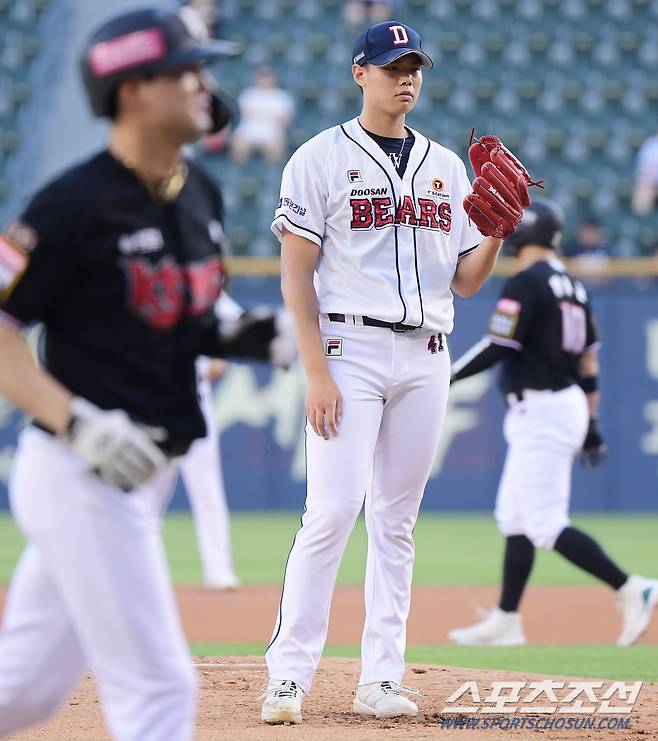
x,y
118,451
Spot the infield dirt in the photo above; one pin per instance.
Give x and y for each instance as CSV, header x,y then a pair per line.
x,y
230,708
231,686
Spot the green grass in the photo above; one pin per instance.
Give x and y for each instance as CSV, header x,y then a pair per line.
x,y
450,549
11,544
607,662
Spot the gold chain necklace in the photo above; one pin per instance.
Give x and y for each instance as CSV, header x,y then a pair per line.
x,y
164,190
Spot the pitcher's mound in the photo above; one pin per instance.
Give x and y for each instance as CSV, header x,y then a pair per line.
x,y
230,708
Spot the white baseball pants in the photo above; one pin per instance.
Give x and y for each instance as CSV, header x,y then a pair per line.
x,y
92,591
543,433
201,470
395,394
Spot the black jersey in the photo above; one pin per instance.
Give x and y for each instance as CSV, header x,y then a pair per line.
x,y
544,315
125,287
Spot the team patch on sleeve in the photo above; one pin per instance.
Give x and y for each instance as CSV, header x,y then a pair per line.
x,y
287,204
13,262
505,318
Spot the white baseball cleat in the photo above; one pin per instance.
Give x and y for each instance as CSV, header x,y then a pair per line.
x,y
498,628
636,602
384,700
223,582
283,702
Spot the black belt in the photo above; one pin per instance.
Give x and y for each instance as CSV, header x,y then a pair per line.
x,y
368,322
518,393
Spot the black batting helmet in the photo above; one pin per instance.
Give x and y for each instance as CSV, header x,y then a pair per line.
x,y
150,41
542,224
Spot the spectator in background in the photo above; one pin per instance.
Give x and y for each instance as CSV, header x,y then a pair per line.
x,y
266,111
361,13
590,252
590,242
209,12
645,191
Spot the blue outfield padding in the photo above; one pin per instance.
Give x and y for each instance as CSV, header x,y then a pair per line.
x,y
261,415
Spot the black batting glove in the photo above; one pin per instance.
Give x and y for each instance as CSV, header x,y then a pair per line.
x,y
594,452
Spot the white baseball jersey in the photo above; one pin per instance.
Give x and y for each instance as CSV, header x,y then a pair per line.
x,y
389,245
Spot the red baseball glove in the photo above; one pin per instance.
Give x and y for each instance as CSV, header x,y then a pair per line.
x,y
500,189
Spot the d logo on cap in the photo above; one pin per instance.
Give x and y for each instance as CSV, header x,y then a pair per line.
x,y
383,43
399,34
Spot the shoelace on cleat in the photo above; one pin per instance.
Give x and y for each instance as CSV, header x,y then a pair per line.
x,y
393,688
287,689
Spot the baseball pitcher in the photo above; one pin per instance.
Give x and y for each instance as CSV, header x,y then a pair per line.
x,y
378,225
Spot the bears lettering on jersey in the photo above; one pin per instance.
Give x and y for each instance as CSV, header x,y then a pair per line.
x,y
157,290
424,213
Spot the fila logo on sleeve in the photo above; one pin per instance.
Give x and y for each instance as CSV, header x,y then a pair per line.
x,y
334,347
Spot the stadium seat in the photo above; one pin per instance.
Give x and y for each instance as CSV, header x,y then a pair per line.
x,y
596,141
309,93
350,94
450,43
583,43
285,8
241,236
612,92
494,43
628,43
331,7
623,189
528,90
554,141
647,239
318,46
574,85
538,43
439,89
278,45
483,91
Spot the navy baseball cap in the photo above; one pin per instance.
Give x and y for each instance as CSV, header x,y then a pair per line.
x,y
384,42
